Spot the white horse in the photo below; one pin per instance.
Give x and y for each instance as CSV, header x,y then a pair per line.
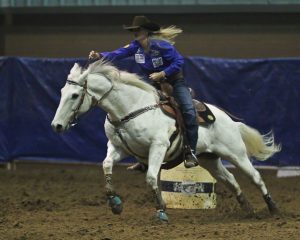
x,y
137,126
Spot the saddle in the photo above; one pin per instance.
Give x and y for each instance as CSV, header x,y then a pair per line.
x,y
170,108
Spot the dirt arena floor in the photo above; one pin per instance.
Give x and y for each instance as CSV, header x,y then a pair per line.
x,y
40,201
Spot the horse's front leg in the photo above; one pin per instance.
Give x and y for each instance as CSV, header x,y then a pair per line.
x,y
114,154
156,156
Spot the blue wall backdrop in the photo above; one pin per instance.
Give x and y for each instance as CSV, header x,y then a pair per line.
x,y
264,92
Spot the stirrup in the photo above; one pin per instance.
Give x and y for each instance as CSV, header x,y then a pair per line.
x,y
190,160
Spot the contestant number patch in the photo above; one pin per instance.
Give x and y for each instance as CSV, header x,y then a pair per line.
x,y
157,62
139,58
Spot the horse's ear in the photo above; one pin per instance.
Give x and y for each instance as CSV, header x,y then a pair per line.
x,y
76,68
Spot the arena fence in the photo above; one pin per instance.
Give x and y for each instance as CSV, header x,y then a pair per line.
x,y
263,92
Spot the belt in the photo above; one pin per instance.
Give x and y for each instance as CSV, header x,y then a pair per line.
x,y
174,76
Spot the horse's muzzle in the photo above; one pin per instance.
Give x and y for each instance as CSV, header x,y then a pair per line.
x,y
57,127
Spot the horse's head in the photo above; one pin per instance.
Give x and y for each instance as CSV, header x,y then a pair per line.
x,y
72,102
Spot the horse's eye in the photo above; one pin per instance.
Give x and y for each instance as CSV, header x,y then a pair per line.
x,y
74,96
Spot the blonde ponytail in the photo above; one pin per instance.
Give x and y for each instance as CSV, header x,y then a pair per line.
x,y
167,34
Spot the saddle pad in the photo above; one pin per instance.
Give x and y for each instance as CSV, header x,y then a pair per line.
x,y
205,116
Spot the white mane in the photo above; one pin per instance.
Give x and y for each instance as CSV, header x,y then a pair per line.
x,y
115,75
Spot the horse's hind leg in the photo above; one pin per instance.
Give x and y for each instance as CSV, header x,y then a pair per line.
x,y
245,165
217,169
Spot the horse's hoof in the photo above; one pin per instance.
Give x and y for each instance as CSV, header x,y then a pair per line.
x,y
115,204
273,209
251,214
138,167
246,205
162,216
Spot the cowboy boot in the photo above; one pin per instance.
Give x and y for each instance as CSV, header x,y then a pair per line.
x,y
190,160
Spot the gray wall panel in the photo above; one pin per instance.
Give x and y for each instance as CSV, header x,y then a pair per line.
x,y
220,35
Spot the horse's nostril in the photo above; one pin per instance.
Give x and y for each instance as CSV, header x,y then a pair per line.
x,y
59,127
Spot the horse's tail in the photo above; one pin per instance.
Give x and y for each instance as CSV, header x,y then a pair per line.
x,y
259,146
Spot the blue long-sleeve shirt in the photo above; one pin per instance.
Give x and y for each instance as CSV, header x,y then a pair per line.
x,y
162,56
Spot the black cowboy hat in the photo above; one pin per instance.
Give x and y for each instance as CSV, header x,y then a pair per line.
x,y
142,22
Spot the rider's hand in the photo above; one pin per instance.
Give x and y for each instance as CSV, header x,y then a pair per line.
x,y
94,55
157,76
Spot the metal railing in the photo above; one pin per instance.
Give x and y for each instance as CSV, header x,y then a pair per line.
x,y
87,3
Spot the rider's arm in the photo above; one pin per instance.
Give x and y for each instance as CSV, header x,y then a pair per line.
x,y
171,55
120,53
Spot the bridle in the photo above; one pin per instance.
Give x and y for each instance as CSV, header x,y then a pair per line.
x,y
73,120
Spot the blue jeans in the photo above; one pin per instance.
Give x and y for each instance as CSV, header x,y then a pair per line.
x,y
183,97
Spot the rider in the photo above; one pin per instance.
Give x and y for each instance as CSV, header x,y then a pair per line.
x,y
154,51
